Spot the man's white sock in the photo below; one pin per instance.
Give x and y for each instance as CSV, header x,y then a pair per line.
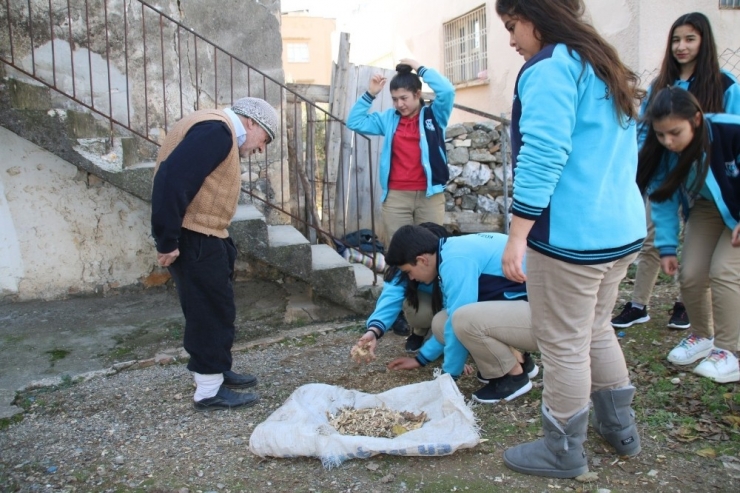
x,y
207,385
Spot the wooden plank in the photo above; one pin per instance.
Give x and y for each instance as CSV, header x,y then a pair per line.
x,y
347,219
339,109
384,101
363,179
311,210
472,222
293,119
313,92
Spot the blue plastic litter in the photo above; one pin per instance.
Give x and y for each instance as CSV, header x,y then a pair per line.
x,y
620,333
52,469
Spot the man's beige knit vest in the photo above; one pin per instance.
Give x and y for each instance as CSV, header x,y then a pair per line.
x,y
214,205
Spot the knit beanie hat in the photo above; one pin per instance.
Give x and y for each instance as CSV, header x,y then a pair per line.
x,y
260,111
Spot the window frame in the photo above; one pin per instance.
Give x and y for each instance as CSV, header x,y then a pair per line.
x,y
291,50
465,46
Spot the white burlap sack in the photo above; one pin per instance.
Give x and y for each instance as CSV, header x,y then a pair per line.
x,y
300,427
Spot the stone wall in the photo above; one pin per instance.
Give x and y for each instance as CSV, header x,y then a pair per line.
x,y
475,192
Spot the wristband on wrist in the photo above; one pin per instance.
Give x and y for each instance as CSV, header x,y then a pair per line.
x,y
378,334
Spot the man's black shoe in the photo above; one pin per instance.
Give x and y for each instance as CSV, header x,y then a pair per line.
x,y
235,381
226,399
401,326
414,343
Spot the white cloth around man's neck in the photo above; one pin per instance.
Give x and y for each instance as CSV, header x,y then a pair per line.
x,y
241,132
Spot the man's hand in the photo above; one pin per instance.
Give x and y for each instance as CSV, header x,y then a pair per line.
x,y
166,259
736,236
404,364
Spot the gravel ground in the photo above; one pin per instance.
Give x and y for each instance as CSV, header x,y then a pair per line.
x,y
136,431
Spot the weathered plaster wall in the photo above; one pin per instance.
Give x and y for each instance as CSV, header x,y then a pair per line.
x,y
178,69
637,28
59,235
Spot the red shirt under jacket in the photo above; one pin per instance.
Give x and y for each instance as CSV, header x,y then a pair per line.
x,y
407,172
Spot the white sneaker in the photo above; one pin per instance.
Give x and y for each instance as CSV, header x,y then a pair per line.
x,y
721,366
690,349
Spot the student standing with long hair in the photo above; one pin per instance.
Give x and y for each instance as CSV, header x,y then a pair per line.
x,y
690,62
692,161
574,148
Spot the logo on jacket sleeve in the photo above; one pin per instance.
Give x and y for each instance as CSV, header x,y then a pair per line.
x,y
731,169
429,124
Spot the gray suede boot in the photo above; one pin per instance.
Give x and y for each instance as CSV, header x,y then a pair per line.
x,y
559,454
614,419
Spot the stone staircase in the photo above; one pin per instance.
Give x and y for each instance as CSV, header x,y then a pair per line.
x,y
285,248
58,125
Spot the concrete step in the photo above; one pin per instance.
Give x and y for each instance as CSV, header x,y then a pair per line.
x,y
332,277
368,288
248,229
285,248
127,161
75,136
289,251
342,282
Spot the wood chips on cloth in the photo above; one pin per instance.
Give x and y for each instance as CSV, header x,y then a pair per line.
x,y
434,417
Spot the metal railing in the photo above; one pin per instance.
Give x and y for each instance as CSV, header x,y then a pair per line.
x,y
465,46
142,70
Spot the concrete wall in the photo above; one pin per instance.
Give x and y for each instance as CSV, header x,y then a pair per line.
x,y
57,234
655,19
315,32
637,28
62,234
180,69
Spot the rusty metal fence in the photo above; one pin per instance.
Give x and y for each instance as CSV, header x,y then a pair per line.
x,y
141,70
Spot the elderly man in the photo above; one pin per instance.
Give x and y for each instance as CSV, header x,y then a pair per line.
x,y
197,182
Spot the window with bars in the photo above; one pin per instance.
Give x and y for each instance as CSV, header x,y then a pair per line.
x,y
729,4
298,53
466,46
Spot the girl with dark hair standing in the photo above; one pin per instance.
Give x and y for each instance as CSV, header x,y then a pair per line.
x,y
690,62
574,148
413,163
692,161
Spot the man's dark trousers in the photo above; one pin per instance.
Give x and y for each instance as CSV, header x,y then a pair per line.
x,y
203,274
